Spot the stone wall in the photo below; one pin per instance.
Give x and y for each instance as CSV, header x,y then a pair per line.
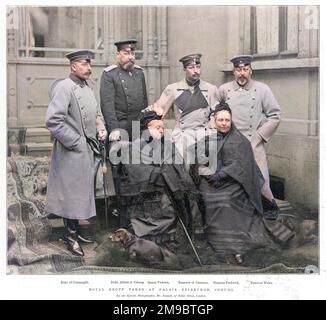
x,y
218,32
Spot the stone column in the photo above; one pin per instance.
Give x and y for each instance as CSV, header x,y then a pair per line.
x,y
150,36
151,74
164,42
145,32
308,31
12,52
164,69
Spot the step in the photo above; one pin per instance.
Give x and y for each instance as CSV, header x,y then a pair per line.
x,y
37,135
38,149
58,229
18,149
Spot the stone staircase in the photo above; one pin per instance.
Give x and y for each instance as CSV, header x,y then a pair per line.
x,y
35,142
38,142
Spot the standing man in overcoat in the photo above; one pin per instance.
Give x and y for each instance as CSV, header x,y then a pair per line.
x,y
76,123
257,114
122,91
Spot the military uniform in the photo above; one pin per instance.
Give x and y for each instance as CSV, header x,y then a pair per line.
x,y
73,119
123,95
257,115
188,122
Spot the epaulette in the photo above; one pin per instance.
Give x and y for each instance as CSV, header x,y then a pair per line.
x,y
111,67
138,67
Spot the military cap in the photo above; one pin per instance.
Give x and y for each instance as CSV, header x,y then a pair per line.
x,y
190,59
126,44
146,117
80,54
242,60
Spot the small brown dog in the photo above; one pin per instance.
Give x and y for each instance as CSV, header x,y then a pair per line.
x,y
145,251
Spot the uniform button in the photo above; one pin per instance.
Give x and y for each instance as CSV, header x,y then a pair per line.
x,y
182,122
252,107
253,98
229,90
205,113
228,98
183,131
122,80
250,116
250,126
249,135
126,88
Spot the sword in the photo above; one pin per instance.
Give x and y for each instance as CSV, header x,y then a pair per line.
x,y
104,172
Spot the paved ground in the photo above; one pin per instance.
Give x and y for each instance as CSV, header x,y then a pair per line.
x,y
297,258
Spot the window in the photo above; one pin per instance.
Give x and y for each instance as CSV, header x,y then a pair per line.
x,y
274,31
51,32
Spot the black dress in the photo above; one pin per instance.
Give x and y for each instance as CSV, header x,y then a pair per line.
x,y
233,211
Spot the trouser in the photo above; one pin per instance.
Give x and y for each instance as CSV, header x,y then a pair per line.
x,y
71,226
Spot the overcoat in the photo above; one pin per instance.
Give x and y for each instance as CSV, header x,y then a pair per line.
x,y
73,118
256,114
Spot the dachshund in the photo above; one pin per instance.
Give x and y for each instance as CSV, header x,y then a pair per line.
x,y
145,251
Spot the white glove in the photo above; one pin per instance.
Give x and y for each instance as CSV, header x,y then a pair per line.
x,y
114,135
149,108
101,135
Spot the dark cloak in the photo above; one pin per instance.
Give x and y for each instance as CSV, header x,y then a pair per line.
x,y
235,158
233,211
155,193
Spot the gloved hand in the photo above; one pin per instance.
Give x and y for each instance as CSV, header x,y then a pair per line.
x,y
153,107
101,135
114,135
149,108
217,179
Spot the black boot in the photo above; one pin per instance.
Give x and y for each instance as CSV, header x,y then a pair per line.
x,y
271,209
85,233
72,237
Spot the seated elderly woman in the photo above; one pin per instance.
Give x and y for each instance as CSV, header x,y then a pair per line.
x,y
155,186
230,184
